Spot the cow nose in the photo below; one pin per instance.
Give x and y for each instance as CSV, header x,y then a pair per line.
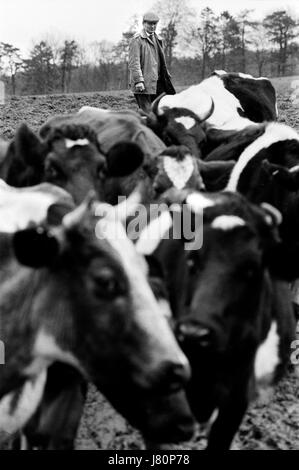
x,y
172,376
191,331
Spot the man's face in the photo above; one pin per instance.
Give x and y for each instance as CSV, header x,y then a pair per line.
x,y
150,26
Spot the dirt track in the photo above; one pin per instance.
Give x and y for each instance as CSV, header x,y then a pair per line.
x,y
268,425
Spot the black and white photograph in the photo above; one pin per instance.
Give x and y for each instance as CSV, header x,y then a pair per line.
x,y
149,227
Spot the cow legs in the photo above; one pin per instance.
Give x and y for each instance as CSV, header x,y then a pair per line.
x,y
228,421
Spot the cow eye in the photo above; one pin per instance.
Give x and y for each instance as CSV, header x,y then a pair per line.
x,y
53,173
248,271
107,284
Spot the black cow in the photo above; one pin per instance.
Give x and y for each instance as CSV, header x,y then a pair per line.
x,y
225,102
235,322
238,100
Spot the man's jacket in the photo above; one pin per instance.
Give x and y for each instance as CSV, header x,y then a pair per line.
x,y
144,66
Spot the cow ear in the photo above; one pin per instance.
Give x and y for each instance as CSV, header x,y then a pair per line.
x,y
283,261
28,146
34,247
215,175
123,159
150,166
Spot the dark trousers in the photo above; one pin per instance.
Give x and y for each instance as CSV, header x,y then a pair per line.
x,y
144,101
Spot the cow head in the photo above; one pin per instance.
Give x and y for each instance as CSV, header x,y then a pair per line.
x,y
231,264
69,157
90,305
176,167
178,126
235,303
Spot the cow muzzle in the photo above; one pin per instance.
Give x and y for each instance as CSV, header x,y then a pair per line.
x,y
191,331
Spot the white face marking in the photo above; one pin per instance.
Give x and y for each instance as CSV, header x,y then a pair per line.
x,y
71,143
151,236
19,207
46,351
227,222
26,405
186,121
179,172
273,133
267,356
220,72
197,202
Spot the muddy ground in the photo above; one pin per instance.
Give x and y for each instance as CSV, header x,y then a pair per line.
x,y
272,422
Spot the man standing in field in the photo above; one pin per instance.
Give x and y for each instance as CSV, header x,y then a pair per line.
x,y
149,76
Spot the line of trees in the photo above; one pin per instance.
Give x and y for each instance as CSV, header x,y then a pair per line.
x,y
195,44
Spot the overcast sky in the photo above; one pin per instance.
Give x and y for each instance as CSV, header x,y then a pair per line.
x,y
24,22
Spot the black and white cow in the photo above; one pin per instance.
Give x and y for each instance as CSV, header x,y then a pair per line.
x,y
77,292
268,171
223,102
239,100
235,322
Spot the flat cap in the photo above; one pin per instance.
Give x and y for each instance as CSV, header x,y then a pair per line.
x,y
150,16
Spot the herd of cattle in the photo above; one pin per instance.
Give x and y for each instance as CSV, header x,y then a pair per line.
x,y
169,335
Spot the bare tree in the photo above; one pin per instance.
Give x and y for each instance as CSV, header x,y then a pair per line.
x,y
205,37
281,30
175,22
245,26
68,55
41,71
261,46
121,50
103,57
229,36
11,62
